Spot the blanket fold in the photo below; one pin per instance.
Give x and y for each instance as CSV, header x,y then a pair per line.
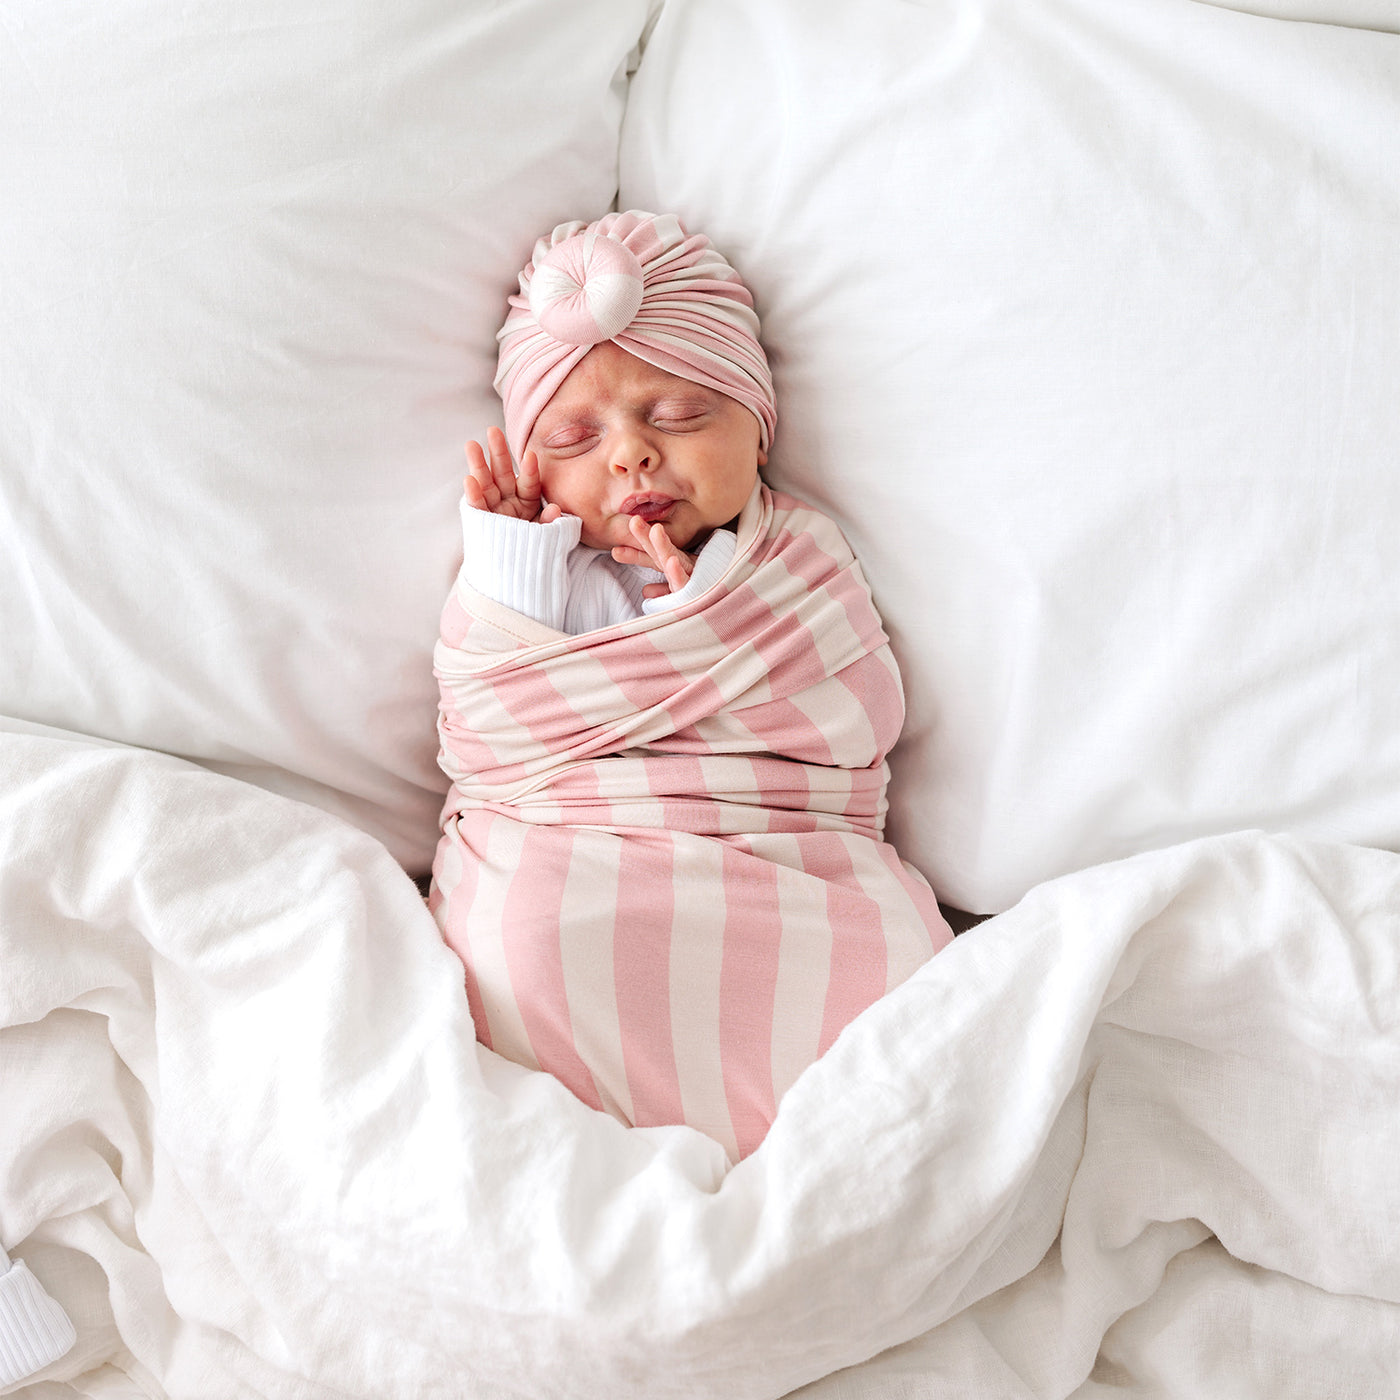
x,y
662,861
249,1144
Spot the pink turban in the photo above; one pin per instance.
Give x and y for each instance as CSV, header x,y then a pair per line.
x,y
640,281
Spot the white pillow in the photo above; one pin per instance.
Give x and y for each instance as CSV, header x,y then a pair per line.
x,y
254,258
1364,14
1085,320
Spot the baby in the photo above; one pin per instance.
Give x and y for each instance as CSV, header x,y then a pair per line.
x,y
666,705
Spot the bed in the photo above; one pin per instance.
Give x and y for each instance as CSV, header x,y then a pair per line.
x,y
1085,323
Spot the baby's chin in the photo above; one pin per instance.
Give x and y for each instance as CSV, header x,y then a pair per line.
x,y
684,535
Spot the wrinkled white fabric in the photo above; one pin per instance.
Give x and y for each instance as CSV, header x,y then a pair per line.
x,y
1137,1132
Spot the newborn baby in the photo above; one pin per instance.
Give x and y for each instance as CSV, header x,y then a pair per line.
x,y
666,705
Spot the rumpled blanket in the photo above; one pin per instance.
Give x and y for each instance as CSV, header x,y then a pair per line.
x,y
662,860
1134,1137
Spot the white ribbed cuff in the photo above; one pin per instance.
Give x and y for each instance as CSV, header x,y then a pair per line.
x,y
521,564
34,1330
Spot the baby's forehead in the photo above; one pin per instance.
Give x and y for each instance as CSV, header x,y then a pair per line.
x,y
609,376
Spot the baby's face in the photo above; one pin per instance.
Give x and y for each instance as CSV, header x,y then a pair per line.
x,y
621,438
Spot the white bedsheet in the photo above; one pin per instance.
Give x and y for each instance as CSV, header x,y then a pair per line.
x,y
1135,1137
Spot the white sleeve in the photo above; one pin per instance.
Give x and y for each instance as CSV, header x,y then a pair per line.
x,y
715,558
602,591
521,564
34,1330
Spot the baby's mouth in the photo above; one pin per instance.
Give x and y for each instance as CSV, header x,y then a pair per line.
x,y
651,506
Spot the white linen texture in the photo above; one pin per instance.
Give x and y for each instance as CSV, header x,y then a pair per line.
x,y
252,1143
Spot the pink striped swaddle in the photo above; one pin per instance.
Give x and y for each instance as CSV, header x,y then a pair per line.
x,y
661,860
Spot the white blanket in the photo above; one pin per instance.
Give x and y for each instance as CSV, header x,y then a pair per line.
x,y
1138,1135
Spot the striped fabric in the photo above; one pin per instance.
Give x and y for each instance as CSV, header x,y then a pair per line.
x,y
662,860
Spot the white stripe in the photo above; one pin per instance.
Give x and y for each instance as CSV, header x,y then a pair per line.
x,y
592,695
844,726
501,861
908,943
586,957
624,780
804,962
837,642
697,954
612,299
448,873
491,724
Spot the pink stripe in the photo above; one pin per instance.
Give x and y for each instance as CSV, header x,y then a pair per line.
x,y
455,920
782,789
789,653
740,616
858,953
925,901
461,741
533,909
687,739
533,701
805,559
695,703
789,504
747,990
642,976
577,783
710,818
878,695
677,775
778,785
781,785
642,236
646,676
640,670
865,806
456,621
786,731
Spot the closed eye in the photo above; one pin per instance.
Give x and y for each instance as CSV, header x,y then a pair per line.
x,y
573,439
680,417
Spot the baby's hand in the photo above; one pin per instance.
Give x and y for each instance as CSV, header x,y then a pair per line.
x,y
655,551
496,487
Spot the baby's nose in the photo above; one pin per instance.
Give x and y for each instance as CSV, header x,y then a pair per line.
x,y
632,452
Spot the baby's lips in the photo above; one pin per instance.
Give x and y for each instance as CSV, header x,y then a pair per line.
x,y
651,506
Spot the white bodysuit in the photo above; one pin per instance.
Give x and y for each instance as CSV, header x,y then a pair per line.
x,y
544,572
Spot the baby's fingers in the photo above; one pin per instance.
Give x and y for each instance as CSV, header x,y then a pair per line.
x,y
625,554
477,485
677,574
672,562
655,550
502,468
527,483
